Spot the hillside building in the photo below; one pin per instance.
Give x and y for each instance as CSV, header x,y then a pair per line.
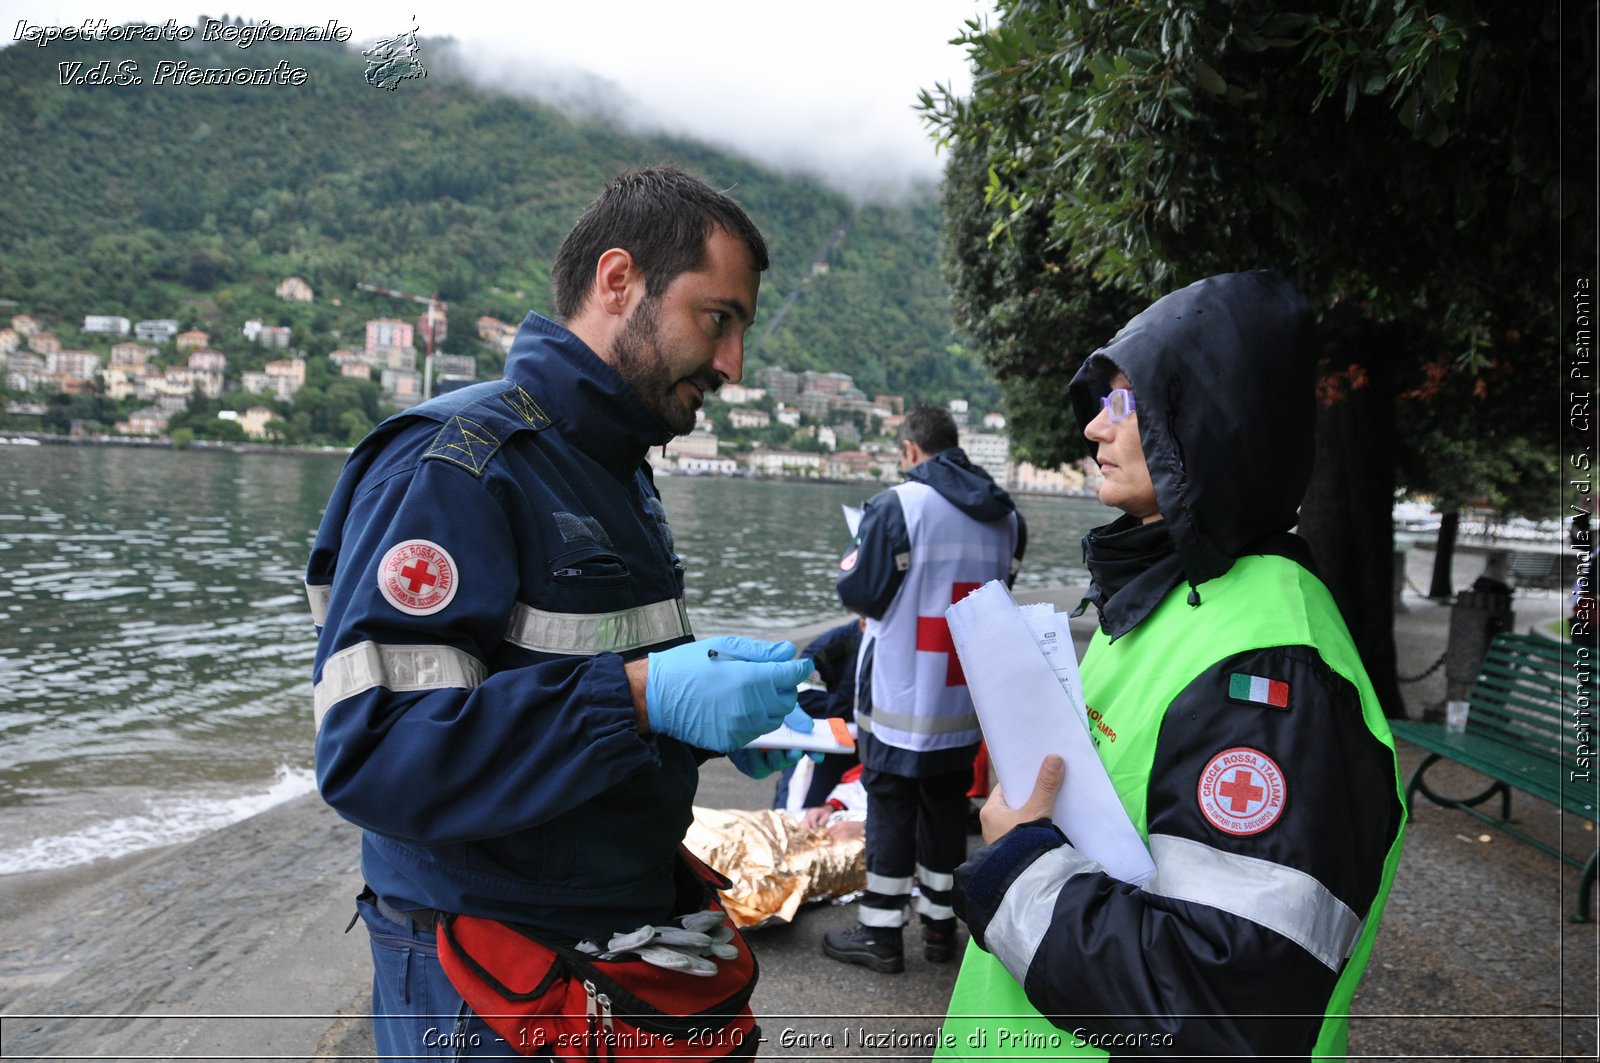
x,y
107,325
295,290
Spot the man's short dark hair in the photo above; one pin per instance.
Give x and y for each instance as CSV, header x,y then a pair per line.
x,y
931,428
661,216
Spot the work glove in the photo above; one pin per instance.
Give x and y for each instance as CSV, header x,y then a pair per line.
x,y
721,693
693,946
759,763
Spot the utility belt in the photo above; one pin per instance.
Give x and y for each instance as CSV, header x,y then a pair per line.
x,y
579,1001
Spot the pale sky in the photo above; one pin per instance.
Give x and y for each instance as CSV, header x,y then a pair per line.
x,y
826,86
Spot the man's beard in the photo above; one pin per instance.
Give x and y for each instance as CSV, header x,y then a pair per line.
x,y
637,355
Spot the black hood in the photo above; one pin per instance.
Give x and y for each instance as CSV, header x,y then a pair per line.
x,y
964,485
1222,376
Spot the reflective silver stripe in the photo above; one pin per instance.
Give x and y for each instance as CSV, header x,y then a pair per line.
x,y
880,916
317,595
889,887
935,880
927,908
1019,924
1280,898
586,634
367,664
922,725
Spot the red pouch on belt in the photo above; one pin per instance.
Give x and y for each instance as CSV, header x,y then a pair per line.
x,y
546,998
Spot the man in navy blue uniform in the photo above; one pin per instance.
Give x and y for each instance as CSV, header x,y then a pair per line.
x,y
509,699
921,546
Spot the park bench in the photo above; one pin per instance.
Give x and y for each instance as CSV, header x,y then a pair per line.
x,y
1534,569
1530,726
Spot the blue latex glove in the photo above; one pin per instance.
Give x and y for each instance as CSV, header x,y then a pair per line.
x,y
721,693
759,763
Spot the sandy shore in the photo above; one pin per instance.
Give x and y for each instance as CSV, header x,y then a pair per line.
x,y
233,945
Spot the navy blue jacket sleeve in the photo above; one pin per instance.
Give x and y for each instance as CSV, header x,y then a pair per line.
x,y
871,572
431,759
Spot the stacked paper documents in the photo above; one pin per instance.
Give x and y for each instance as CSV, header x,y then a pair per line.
x,y
1022,671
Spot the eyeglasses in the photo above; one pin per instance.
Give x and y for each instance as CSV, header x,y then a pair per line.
x,y
1119,403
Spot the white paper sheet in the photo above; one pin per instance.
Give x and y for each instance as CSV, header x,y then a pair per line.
x,y
831,735
1026,712
852,519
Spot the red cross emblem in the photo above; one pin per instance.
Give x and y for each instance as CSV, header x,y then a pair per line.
x,y
1242,791
933,636
418,574
418,577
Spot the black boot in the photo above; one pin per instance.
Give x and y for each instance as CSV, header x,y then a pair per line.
x,y
939,940
877,947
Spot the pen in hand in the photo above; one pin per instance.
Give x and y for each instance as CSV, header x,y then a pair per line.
x,y
716,656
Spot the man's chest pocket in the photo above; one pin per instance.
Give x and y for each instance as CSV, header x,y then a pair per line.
x,y
589,568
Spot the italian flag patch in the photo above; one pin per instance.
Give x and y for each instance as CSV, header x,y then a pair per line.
x,y
1258,689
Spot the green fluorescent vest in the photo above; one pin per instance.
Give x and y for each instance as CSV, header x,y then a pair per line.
x,y
1263,601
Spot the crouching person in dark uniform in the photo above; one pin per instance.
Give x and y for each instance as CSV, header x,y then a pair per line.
x,y
1234,717
508,697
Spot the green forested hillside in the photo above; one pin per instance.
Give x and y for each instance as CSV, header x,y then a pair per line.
x,y
192,201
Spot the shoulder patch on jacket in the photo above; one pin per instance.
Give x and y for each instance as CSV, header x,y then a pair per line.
x,y
465,442
1258,690
523,406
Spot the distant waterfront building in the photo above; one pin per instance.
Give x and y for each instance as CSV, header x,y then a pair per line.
x,y
848,465
44,343
10,340
208,361
193,340
1063,479
149,421
132,354
994,422
693,466
988,451
747,419
156,331
739,395
792,463
107,325
74,365
790,417
356,370
457,365
295,290
388,333
25,371
24,325
496,333
401,359
778,382
402,387
124,381
253,421
701,443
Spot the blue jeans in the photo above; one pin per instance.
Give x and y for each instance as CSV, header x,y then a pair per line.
x,y
416,1012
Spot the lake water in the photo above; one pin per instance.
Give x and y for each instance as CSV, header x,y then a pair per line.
x,y
155,663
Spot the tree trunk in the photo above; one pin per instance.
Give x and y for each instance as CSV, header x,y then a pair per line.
x,y
1444,555
1348,512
